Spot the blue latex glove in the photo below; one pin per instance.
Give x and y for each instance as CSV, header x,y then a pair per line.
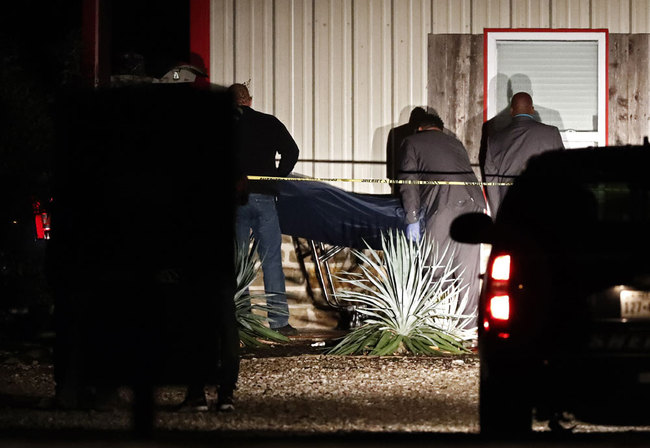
x,y
413,231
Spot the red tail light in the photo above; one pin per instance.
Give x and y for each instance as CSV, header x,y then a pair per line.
x,y
41,221
500,307
498,312
501,268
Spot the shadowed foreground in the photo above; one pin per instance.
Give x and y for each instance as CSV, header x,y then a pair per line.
x,y
288,396
279,390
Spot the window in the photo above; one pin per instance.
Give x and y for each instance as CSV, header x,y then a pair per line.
x,y
565,71
621,201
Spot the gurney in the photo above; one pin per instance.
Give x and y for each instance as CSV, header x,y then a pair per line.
x,y
330,220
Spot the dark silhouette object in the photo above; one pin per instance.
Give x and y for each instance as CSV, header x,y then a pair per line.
x,y
574,230
197,61
184,73
130,69
394,142
194,72
131,63
141,255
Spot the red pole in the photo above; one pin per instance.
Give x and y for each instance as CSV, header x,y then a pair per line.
x,y
95,36
200,34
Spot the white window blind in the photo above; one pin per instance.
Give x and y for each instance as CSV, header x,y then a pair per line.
x,y
562,78
565,73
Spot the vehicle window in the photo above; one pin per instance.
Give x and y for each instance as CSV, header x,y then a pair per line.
x,y
621,202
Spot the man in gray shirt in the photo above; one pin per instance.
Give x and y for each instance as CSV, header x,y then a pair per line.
x,y
509,149
433,155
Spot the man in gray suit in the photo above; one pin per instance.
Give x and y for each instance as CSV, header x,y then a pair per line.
x,y
509,149
433,155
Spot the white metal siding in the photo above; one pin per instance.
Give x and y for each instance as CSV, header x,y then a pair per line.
x,y
531,14
639,16
341,73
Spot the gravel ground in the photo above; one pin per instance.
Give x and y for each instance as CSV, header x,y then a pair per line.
x,y
283,389
288,389
328,393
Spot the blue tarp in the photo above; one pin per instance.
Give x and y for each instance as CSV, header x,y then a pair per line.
x,y
322,212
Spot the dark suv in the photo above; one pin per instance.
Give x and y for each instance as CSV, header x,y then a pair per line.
x,y
564,315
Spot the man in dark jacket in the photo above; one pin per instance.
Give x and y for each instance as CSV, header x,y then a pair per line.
x,y
509,149
435,156
394,142
260,137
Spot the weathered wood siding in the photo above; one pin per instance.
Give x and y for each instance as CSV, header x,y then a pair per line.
x,y
456,85
629,88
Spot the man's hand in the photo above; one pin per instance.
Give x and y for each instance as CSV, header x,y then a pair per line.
x,y
413,231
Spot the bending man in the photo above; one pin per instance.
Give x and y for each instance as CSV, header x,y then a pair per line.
x,y
433,155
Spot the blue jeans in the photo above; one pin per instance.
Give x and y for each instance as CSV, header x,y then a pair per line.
x,y
260,215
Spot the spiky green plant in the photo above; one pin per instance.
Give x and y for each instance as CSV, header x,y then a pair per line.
x,y
407,304
251,325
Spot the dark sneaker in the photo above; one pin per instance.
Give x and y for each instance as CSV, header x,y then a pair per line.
x,y
198,404
225,404
287,330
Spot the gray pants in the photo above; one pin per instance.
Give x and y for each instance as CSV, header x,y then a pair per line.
x,y
465,256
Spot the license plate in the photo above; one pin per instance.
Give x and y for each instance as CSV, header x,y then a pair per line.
x,y
635,304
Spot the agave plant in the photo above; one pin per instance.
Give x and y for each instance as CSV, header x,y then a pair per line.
x,y
407,305
251,325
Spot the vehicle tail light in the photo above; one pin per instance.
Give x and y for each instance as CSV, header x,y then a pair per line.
x,y
498,305
501,268
41,221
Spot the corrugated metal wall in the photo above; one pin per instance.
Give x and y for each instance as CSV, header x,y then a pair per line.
x,y
341,73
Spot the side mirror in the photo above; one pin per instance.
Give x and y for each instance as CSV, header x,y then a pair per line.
x,y
472,228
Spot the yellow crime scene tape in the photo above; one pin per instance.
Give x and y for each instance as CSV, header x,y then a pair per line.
x,y
381,181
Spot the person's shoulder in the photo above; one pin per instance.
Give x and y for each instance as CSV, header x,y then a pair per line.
x,y
439,138
411,140
251,113
447,135
265,118
531,124
420,137
445,138
543,127
550,127
508,128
